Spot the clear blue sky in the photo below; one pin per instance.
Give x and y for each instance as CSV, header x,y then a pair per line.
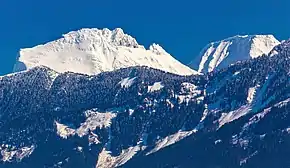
x,y
182,27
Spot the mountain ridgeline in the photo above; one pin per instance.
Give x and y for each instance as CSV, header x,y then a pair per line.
x,y
92,51
139,116
221,54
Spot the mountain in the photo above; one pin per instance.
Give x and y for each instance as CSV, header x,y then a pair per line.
x,y
91,51
144,117
76,120
221,54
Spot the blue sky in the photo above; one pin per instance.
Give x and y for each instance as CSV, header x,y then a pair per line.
x,y
182,27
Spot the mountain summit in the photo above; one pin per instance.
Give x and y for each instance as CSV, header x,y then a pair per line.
x,y
91,51
221,54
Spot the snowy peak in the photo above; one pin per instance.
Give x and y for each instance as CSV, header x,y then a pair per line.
x,y
157,49
221,54
262,44
91,51
115,37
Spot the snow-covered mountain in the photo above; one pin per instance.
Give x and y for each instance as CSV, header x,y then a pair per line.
x,y
109,113
221,54
91,51
142,117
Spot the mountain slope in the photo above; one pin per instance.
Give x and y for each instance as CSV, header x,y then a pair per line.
x,y
144,117
223,53
242,128
75,120
91,51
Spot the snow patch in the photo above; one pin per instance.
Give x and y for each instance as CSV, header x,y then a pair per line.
x,y
169,103
205,113
217,141
143,139
94,120
155,87
184,98
257,117
63,130
53,75
244,161
127,82
251,93
79,149
8,155
189,88
106,160
171,139
131,111
188,92
233,115
273,53
236,73
93,139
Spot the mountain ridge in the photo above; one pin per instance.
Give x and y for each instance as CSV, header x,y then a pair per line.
x,y
126,117
91,51
220,54
140,116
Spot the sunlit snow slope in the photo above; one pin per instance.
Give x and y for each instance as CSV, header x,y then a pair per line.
x,y
221,54
91,51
